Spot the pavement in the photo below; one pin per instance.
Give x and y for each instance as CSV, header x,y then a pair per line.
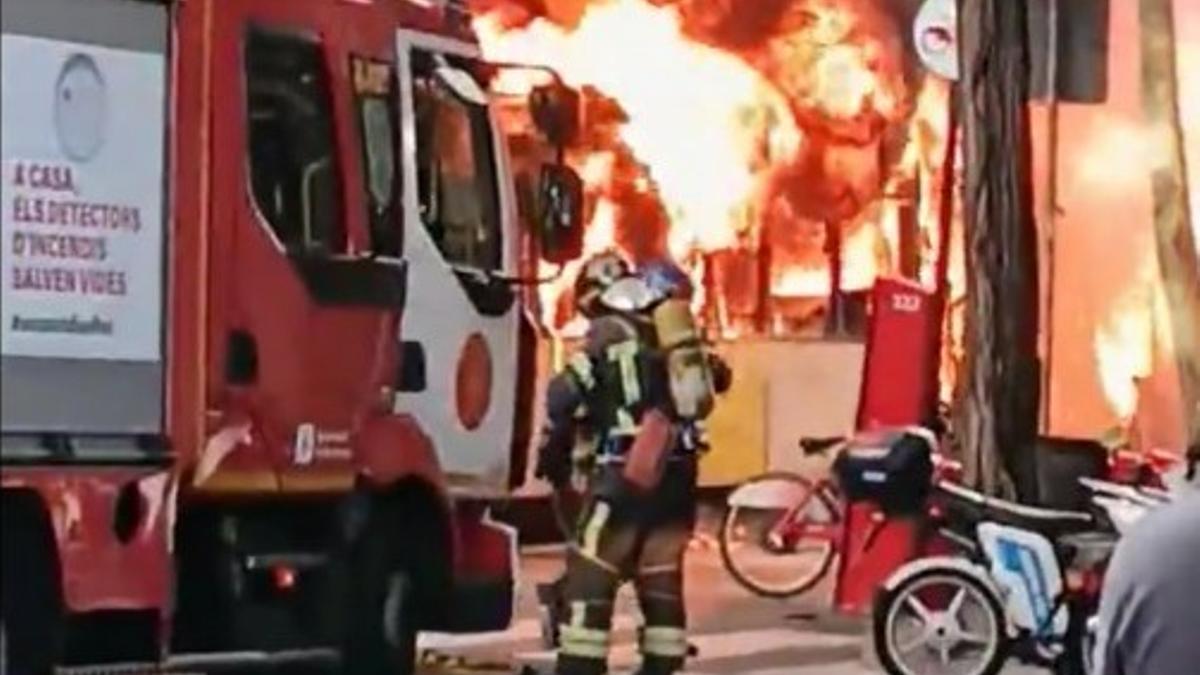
x,y
735,632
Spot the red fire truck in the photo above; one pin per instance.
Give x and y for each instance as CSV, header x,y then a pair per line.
x,y
262,329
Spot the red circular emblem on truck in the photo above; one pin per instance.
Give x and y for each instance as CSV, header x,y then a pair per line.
x,y
473,382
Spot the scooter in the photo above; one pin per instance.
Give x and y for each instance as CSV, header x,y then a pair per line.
x,y
1025,583
1123,506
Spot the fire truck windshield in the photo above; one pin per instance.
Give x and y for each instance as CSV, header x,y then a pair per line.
x,y
456,168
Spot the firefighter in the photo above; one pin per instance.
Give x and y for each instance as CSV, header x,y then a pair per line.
x,y
631,527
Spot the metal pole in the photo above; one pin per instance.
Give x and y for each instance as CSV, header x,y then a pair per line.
x,y
946,203
762,310
1050,206
836,322
941,281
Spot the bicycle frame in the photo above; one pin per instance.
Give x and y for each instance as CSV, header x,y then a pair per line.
x,y
791,528
865,542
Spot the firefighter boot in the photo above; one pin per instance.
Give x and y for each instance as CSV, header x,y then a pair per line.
x,y
604,545
664,643
584,635
659,586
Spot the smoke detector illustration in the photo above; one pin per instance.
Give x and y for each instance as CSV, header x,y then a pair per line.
x,y
80,108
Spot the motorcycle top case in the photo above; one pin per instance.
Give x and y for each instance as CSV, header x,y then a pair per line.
x,y
892,469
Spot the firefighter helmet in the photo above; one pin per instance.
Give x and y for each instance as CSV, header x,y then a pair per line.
x,y
595,277
629,295
667,279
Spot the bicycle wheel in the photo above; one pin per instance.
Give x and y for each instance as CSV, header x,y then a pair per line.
x,y
777,538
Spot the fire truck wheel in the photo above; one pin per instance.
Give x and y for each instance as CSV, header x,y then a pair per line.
x,y
381,633
399,628
30,591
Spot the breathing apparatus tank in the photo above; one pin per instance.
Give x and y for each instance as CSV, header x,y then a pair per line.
x,y
689,377
658,298
688,373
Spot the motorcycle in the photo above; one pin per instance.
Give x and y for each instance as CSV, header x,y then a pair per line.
x,y
1025,583
1123,506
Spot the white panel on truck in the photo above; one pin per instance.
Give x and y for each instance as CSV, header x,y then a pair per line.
x,y
83,198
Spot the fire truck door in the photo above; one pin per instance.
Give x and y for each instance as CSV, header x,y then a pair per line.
x,y
460,232
298,312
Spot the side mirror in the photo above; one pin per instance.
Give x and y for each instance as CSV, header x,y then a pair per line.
x,y
555,110
560,213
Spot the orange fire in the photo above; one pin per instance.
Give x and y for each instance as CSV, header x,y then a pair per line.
x,y
694,111
1124,348
725,132
1189,102
714,128
1118,158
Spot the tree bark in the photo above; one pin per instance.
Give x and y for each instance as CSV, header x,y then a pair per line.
x,y
997,409
1174,239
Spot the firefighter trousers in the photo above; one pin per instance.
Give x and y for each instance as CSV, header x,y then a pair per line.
x,y
616,542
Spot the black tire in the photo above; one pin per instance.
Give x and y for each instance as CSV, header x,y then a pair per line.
x,y
725,540
3,648
1074,659
31,591
381,631
206,607
888,603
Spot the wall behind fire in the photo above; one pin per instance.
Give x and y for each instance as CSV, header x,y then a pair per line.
x,y
1112,353
783,390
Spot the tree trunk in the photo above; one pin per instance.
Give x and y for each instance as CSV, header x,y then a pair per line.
x,y
1176,246
998,397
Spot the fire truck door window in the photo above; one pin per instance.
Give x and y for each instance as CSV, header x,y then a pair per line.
x,y
375,100
459,202
294,172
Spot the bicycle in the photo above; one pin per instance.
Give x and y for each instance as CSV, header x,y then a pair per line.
x,y
782,531
793,520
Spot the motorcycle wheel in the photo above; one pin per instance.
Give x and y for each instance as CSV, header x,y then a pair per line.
x,y
779,569
940,620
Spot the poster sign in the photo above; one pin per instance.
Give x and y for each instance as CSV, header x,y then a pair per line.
x,y
82,199
935,35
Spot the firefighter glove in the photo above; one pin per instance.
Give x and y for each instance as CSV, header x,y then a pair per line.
x,y
721,373
554,463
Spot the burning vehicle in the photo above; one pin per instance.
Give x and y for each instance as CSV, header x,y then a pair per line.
x,y
791,152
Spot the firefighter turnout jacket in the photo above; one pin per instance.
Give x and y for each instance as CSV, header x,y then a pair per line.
x,y
609,386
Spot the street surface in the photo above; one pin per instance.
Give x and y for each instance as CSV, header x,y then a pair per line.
x,y
734,631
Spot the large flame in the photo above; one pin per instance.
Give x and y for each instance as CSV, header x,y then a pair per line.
x,y
710,128
1119,157
695,113
1124,348
1188,71
729,132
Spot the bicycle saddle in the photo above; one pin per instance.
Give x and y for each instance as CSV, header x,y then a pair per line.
x,y
817,445
1051,523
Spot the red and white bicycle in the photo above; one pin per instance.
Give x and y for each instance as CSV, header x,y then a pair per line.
x,y
783,531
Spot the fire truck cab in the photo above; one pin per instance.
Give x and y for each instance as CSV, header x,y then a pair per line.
x,y
262,329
